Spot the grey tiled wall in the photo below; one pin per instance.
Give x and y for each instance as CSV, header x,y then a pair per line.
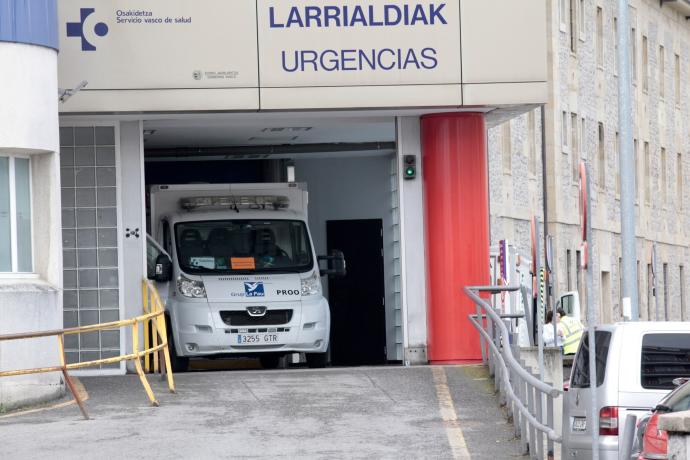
x,y
89,238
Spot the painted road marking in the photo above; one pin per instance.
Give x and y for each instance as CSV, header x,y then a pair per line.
x,y
450,418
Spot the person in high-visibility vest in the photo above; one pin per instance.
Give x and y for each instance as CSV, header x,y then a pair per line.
x,y
547,334
572,330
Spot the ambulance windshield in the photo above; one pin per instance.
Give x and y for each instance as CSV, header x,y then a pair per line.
x,y
243,246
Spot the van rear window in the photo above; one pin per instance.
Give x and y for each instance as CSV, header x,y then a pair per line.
x,y
580,372
664,357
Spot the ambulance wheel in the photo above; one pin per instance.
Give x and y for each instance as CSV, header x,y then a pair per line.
x,y
317,360
270,361
178,363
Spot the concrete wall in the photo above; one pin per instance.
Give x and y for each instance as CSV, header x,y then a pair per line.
x,y
33,301
353,188
585,88
29,306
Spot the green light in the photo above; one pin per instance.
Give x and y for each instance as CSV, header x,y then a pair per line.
x,y
409,171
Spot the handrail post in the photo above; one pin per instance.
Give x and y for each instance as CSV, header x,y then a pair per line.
x,y
137,364
550,423
481,339
68,379
145,305
163,330
540,417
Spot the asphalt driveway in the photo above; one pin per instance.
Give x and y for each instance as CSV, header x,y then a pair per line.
x,y
366,412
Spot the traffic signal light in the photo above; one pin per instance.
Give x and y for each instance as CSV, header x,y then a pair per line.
x,y
409,166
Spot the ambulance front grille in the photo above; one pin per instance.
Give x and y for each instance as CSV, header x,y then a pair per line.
x,y
242,318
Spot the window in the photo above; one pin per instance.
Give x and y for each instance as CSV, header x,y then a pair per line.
x,y
564,131
681,279
578,274
600,37
580,372
581,14
636,158
578,155
531,143
662,72
573,25
676,79
574,132
615,46
647,177
633,55
651,295
664,358
153,251
15,215
243,246
568,263
167,241
663,183
617,152
679,181
606,294
575,144
507,144
601,158
645,64
639,296
666,292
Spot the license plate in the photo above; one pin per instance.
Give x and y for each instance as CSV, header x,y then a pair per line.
x,y
579,423
256,339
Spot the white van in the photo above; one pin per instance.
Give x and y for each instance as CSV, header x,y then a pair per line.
x,y
238,273
636,364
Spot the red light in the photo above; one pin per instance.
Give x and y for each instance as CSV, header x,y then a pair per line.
x,y
608,421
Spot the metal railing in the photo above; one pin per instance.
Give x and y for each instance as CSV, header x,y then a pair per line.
x,y
530,401
154,317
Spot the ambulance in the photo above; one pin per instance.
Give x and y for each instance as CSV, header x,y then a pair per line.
x,y
236,268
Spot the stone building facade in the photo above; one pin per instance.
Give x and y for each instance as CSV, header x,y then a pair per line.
x,y
582,123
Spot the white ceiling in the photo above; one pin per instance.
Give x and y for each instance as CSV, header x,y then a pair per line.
x,y
224,130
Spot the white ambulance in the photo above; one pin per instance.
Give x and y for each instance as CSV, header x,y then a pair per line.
x,y
236,268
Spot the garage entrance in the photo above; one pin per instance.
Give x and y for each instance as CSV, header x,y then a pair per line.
x,y
349,167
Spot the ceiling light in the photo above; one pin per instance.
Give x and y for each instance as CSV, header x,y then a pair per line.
x,y
149,132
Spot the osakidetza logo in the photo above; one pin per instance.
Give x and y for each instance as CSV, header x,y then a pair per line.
x,y
82,29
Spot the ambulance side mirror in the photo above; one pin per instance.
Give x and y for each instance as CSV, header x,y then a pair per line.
x,y
163,269
337,268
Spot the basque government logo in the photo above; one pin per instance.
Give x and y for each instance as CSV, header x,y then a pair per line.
x,y
254,289
76,29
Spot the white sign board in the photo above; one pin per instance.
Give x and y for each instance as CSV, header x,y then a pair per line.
x,y
224,55
368,42
150,44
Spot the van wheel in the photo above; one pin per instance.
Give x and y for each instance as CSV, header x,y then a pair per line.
x,y
317,360
178,363
270,361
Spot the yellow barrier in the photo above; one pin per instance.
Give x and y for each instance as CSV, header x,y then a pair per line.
x,y
153,317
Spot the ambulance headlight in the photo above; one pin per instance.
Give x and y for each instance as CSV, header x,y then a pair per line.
x,y
311,285
191,288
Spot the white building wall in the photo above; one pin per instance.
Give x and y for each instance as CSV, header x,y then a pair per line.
x,y
29,126
413,244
